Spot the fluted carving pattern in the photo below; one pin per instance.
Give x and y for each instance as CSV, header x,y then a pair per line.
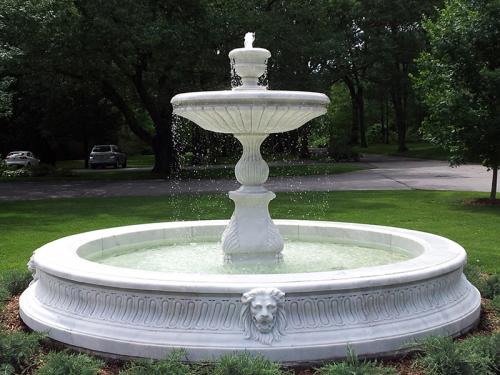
x,y
250,118
328,311
251,169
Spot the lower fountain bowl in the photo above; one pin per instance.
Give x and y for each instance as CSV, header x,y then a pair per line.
x,y
291,318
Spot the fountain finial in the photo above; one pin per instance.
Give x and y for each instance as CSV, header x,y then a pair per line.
x,y
249,39
249,63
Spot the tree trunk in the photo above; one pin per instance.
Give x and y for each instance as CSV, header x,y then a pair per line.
x,y
361,116
493,193
86,150
354,137
382,119
197,145
304,142
166,163
386,133
400,116
358,131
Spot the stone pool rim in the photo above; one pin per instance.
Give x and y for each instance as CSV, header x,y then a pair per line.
x,y
434,256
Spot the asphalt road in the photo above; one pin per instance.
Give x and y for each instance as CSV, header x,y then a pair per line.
x,y
386,173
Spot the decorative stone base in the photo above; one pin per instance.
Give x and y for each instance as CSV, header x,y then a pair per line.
x,y
291,318
251,236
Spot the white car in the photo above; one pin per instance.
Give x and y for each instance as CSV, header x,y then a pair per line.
x,y
21,159
107,155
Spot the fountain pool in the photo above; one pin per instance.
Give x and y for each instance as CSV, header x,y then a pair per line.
x,y
295,291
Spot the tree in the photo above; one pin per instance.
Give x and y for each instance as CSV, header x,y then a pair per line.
x,y
347,56
397,38
139,53
459,81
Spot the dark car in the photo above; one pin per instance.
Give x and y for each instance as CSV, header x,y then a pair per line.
x,y
107,155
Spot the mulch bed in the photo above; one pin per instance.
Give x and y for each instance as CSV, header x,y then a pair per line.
x,y
489,323
482,202
9,317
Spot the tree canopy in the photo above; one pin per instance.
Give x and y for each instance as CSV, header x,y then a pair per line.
x,y
459,80
87,68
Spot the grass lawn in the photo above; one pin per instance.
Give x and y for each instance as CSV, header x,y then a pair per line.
x,y
133,161
422,150
26,225
213,172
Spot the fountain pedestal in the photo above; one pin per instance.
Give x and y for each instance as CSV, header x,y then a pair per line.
x,y
250,112
251,236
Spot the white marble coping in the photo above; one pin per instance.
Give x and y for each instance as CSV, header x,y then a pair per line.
x,y
434,256
228,97
238,52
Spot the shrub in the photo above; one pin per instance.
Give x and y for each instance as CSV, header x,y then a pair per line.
x,y
246,364
21,172
491,288
353,366
19,349
4,296
476,276
64,363
474,356
49,170
496,302
15,281
171,365
375,134
6,369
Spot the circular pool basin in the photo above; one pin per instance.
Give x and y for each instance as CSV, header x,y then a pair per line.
x,y
293,317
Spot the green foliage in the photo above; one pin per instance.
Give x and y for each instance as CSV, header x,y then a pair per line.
x,y
496,302
5,93
476,276
353,366
459,81
478,355
6,369
488,285
44,170
18,172
15,281
246,364
4,296
492,287
171,365
64,363
334,129
18,350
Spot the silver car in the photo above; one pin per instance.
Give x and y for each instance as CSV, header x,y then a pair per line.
x,y
107,155
21,159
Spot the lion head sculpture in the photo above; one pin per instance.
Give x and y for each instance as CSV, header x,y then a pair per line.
x,y
263,315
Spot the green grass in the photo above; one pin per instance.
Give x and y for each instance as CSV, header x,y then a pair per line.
x,y
26,225
212,172
134,161
422,150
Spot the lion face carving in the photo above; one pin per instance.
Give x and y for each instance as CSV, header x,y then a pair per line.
x,y
263,315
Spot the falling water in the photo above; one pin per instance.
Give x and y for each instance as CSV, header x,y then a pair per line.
x,y
235,78
263,81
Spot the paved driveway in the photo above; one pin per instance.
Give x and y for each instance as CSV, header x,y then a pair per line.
x,y
387,173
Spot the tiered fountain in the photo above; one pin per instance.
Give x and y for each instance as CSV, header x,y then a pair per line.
x,y
218,287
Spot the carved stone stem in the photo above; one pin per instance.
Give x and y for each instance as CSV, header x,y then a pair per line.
x,y
251,236
251,169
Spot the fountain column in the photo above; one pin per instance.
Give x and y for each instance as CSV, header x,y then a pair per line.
x,y
251,236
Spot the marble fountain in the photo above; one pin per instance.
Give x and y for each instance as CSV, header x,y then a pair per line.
x,y
295,291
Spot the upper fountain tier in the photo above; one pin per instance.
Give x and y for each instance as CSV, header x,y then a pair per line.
x,y
250,108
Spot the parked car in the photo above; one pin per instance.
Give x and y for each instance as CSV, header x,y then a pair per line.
x,y
21,159
107,155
